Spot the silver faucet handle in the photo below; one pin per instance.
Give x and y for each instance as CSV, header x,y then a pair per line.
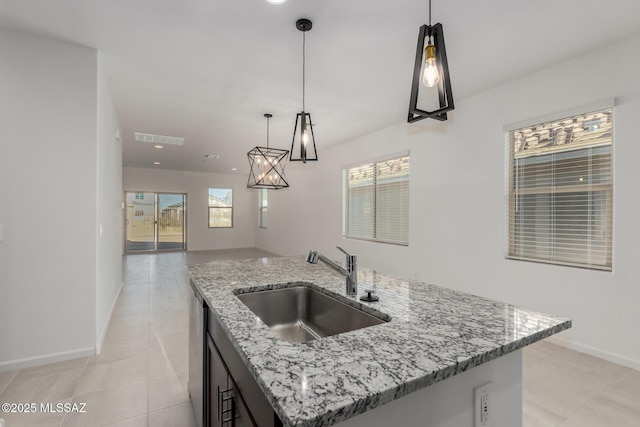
x,y
345,252
312,257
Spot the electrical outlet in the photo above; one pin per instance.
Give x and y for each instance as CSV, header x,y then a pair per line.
x,y
484,409
482,405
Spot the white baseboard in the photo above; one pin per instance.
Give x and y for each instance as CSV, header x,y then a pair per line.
x,y
103,333
28,362
596,352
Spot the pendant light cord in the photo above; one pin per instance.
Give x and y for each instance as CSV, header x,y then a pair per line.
x,y
303,66
429,12
267,133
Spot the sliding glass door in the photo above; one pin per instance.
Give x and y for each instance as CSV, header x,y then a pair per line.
x,y
155,221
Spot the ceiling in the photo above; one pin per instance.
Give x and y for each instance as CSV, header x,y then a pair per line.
x,y
207,70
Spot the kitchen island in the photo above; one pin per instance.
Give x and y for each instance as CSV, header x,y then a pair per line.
x,y
432,339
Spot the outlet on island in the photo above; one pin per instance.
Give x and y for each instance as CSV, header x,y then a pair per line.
x,y
482,405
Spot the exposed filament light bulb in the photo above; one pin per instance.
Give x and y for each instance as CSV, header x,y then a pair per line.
x,y
430,73
305,136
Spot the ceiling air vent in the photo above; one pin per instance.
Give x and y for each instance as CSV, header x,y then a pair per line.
x,y
158,139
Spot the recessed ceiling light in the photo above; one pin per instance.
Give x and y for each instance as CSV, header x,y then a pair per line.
x,y
156,163
276,1
234,169
159,146
158,139
210,157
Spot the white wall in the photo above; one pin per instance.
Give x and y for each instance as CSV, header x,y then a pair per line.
x,y
196,185
48,117
109,206
457,203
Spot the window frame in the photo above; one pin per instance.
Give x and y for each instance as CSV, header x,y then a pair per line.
x,y
345,194
209,207
590,190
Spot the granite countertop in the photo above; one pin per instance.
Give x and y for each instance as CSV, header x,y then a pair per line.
x,y
434,333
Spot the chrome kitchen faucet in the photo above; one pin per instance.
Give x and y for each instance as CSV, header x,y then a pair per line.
x,y
350,274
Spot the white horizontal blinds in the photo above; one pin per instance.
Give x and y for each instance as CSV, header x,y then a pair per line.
x,y
377,201
360,201
263,206
392,201
561,191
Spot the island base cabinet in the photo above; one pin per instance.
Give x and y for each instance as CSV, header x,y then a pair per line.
x,y
230,386
226,406
450,403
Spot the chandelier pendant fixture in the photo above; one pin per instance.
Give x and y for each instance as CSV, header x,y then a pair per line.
x,y
303,145
267,166
430,75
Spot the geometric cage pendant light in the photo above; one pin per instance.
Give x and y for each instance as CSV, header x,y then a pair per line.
x,y
431,82
267,166
303,145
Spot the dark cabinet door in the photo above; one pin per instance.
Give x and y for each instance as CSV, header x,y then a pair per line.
x,y
226,406
219,390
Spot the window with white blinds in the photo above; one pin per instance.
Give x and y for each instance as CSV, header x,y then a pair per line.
x,y
263,205
560,191
376,201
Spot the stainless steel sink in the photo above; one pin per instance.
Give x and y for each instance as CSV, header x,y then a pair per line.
x,y
301,314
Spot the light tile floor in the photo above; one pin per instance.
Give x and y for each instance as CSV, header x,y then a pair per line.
x,y
140,378
565,388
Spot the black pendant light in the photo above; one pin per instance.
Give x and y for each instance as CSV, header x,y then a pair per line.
x,y
430,75
267,166
303,146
